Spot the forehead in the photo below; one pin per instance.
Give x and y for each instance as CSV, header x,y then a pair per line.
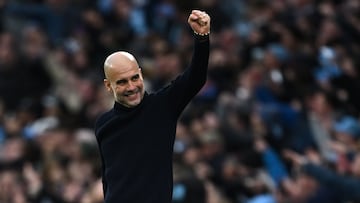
x,y
117,73
120,63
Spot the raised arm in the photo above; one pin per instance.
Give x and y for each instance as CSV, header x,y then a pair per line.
x,y
188,84
196,73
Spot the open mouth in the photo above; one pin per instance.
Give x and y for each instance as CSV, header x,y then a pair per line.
x,y
132,95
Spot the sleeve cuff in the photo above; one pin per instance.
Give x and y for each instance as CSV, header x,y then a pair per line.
x,y
201,38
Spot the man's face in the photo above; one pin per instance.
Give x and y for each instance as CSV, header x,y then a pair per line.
x,y
126,84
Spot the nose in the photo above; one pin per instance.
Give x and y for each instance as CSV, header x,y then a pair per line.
x,y
131,86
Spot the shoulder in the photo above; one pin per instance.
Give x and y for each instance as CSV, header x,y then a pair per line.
x,y
103,118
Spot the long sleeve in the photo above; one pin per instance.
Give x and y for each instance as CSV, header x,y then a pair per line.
x,y
274,166
188,84
136,144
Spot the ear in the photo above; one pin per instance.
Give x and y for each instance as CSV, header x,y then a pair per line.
x,y
107,85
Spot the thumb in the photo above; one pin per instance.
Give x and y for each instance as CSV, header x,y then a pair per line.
x,y
193,18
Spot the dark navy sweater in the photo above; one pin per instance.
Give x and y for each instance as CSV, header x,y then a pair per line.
x,y
136,144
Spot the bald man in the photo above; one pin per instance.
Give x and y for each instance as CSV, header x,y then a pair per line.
x,y
124,79
136,136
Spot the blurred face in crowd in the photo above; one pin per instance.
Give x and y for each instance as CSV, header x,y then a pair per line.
x,y
7,51
124,79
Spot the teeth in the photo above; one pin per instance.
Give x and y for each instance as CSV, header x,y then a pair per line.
x,y
130,94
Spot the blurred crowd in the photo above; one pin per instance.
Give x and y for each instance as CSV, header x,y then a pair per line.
x,y
276,122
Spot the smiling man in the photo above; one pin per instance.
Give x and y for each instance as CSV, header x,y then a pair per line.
x,y
136,137
124,79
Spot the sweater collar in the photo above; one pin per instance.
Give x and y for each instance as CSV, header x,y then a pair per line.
x,y
121,108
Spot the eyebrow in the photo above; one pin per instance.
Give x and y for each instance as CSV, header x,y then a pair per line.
x,y
126,79
121,81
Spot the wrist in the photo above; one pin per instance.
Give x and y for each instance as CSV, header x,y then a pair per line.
x,y
202,34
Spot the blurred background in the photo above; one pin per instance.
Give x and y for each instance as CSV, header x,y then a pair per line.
x,y
276,122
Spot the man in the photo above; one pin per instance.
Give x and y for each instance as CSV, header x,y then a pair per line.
x,y
136,137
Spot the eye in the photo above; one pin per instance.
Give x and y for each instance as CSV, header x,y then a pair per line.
x,y
135,77
121,82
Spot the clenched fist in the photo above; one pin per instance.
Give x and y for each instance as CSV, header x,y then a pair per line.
x,y
199,21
